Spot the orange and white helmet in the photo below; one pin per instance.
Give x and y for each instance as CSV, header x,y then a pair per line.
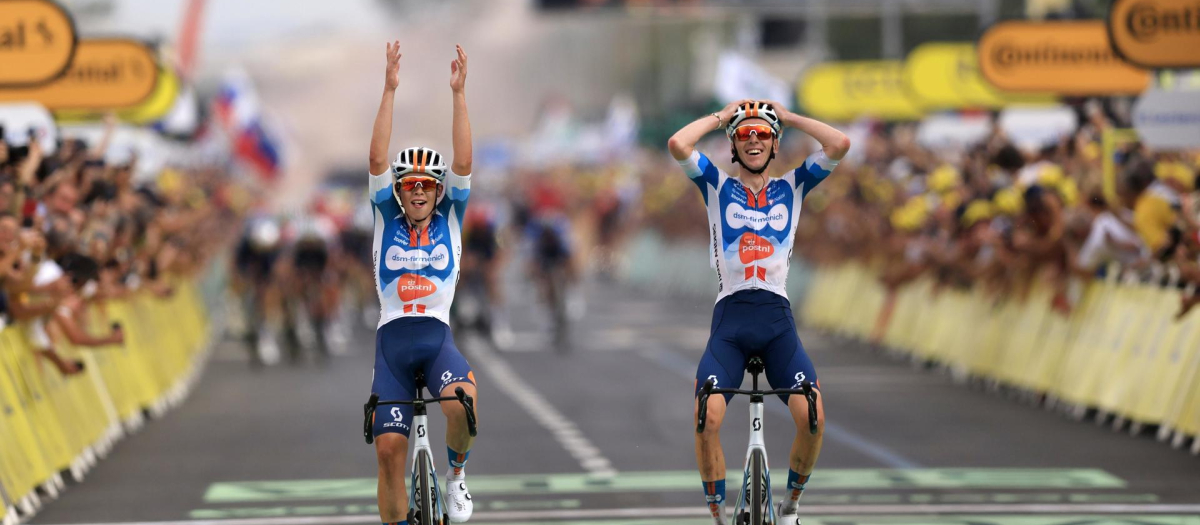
x,y
419,160
755,109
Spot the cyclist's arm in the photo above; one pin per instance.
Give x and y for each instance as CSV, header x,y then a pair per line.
x,y
683,142
834,143
461,127
381,134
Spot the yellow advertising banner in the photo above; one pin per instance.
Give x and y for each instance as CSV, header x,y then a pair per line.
x,y
153,109
945,75
106,74
1156,33
841,91
37,41
1067,58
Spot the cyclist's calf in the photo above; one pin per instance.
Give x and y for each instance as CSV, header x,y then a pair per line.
x,y
391,450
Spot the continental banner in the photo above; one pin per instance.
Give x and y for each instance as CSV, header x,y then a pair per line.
x,y
106,74
1066,58
37,41
1156,33
154,108
842,91
945,75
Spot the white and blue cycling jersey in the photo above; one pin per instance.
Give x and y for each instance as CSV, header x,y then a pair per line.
x,y
751,235
415,272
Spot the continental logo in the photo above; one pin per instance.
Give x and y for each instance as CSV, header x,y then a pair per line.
x,y
1066,58
411,287
753,248
1156,33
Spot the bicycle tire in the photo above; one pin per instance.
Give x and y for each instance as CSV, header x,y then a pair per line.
x,y
425,499
757,516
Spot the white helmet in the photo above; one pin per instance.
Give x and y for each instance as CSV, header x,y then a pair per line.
x,y
419,160
755,109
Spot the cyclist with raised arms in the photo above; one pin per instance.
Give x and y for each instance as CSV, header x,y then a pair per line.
x,y
752,220
419,210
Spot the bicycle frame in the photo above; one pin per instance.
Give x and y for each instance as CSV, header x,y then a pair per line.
x,y
757,443
420,443
757,440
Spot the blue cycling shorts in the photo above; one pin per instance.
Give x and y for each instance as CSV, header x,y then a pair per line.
x,y
753,323
404,347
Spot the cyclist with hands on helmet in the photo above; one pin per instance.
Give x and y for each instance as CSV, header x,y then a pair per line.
x,y
419,209
752,217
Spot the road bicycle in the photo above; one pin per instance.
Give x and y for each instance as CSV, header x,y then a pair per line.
x,y
425,502
754,506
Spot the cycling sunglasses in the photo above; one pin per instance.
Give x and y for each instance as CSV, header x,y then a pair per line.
x,y
743,133
412,183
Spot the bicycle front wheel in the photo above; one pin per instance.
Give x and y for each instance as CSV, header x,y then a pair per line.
x,y
758,489
424,490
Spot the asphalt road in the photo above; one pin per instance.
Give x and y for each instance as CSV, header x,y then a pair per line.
x,y
603,434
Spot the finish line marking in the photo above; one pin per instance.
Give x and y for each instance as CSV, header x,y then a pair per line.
x,y
946,514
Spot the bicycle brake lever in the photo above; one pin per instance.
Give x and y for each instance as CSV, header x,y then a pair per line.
x,y
702,408
468,404
810,395
368,413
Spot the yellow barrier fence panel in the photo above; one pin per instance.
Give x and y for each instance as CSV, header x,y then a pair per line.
x,y
23,462
47,425
1113,381
1183,413
1167,369
1140,379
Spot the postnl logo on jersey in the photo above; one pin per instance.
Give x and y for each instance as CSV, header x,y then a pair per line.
x,y
411,287
753,248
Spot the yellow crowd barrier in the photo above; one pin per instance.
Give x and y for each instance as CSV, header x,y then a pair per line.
x,y
50,423
1120,350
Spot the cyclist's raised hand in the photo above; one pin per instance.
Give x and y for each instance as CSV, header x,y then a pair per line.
x,y
391,78
730,109
458,71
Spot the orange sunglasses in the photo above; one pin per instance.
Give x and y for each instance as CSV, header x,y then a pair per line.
x,y
412,183
743,133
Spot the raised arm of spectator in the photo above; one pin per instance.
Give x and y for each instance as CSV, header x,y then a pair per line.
x,y
101,147
64,318
461,127
381,134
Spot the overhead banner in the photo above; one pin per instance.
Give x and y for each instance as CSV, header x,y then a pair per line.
x,y
37,41
1067,58
28,120
105,74
1156,33
945,75
1168,119
843,91
154,108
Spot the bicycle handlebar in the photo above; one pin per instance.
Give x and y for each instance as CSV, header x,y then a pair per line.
x,y
460,395
806,389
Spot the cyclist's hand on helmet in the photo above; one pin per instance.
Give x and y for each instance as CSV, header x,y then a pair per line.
x,y
780,110
731,109
458,71
391,78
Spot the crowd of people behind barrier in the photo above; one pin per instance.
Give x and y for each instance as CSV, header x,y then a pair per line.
x,y
77,230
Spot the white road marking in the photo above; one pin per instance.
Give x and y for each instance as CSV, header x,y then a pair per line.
x,y
701,511
565,431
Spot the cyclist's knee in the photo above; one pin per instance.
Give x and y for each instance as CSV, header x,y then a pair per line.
x,y
454,409
798,406
391,449
715,414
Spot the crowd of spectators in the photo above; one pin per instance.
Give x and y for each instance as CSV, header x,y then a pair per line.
x,y
1006,219
77,231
